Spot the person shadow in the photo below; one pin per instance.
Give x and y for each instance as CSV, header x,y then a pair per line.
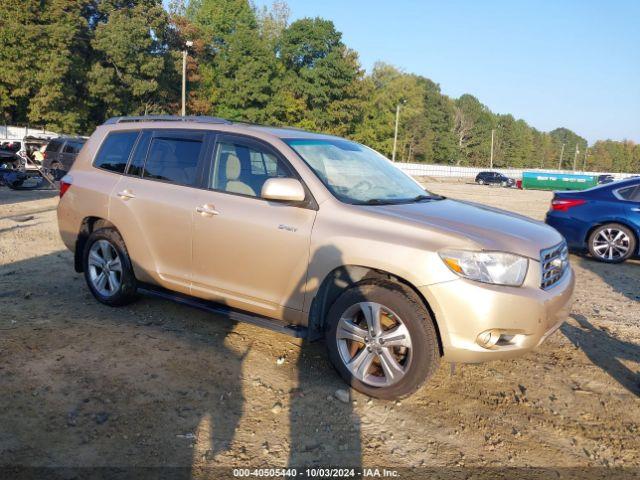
x,y
324,431
605,351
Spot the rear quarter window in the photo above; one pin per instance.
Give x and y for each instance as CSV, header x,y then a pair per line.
x,y
115,150
631,194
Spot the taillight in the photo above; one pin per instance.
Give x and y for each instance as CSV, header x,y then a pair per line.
x,y
564,204
65,183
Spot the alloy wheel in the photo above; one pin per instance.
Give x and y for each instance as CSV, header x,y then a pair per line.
x,y
374,344
611,244
105,268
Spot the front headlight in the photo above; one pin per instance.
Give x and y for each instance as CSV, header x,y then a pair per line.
x,y
498,268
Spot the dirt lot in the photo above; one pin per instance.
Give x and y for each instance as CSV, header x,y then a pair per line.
x,y
159,384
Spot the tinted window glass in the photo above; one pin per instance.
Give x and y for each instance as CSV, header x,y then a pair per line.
x,y
630,193
68,148
173,160
241,169
115,151
139,156
54,146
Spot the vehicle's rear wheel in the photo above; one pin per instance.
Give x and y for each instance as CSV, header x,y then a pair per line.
x,y
480,182
107,268
382,340
612,243
56,171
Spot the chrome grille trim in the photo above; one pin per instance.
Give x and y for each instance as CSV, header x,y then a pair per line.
x,y
554,262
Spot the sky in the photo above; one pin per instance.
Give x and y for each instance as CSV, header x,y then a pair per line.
x,y
553,63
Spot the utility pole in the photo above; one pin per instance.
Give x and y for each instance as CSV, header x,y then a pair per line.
x,y
184,77
575,157
584,162
395,133
491,158
561,155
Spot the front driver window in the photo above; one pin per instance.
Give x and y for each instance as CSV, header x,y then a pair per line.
x,y
243,170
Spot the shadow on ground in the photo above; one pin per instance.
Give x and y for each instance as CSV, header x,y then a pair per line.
x,y
622,277
152,384
605,351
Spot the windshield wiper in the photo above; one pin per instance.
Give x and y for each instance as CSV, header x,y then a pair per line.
x,y
378,201
427,197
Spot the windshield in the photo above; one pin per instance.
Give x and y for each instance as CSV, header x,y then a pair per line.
x,y
357,174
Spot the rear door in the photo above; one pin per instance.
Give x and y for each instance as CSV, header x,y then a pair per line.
x,y
248,252
631,206
154,204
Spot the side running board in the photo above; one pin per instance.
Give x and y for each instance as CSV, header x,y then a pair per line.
x,y
296,331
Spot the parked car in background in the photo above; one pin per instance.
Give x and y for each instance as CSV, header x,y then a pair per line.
x,y
60,154
311,235
494,178
606,178
604,220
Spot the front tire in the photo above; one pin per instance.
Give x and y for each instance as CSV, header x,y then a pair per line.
x,y
612,243
382,340
107,268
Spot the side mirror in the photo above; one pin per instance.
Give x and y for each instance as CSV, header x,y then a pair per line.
x,y
283,190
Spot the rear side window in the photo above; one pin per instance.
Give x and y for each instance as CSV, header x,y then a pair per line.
x,y
173,159
115,150
630,193
54,146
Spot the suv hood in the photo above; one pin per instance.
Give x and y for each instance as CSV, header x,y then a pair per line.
x,y
490,228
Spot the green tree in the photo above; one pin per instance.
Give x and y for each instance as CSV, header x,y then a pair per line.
x,y
19,34
58,100
321,88
132,71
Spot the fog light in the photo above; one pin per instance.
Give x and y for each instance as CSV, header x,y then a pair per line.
x,y
488,339
495,338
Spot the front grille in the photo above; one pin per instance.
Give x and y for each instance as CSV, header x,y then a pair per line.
x,y
554,262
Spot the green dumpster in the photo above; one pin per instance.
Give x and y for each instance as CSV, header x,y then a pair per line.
x,y
557,181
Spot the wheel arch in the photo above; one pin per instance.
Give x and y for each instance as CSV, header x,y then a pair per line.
x,y
624,223
87,226
343,277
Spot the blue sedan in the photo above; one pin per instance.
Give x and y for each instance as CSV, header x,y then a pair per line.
x,y
605,220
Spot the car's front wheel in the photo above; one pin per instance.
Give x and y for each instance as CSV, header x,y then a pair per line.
x,y
612,243
382,339
107,268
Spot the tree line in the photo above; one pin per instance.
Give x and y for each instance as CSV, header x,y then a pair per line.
x,y
70,64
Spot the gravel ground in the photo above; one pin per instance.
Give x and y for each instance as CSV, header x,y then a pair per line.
x,y
160,384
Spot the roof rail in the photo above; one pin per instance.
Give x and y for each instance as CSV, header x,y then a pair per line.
x,y
167,118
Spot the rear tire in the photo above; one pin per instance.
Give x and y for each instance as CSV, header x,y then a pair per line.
x,y
612,243
366,360
107,268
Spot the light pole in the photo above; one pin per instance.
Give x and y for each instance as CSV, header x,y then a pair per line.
x,y
395,133
184,77
561,155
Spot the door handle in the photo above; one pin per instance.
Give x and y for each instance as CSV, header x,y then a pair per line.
x,y
125,195
207,210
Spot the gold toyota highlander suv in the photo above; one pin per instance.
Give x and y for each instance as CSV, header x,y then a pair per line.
x,y
310,235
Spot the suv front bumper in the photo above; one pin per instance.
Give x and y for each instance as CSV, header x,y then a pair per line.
x,y
465,309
